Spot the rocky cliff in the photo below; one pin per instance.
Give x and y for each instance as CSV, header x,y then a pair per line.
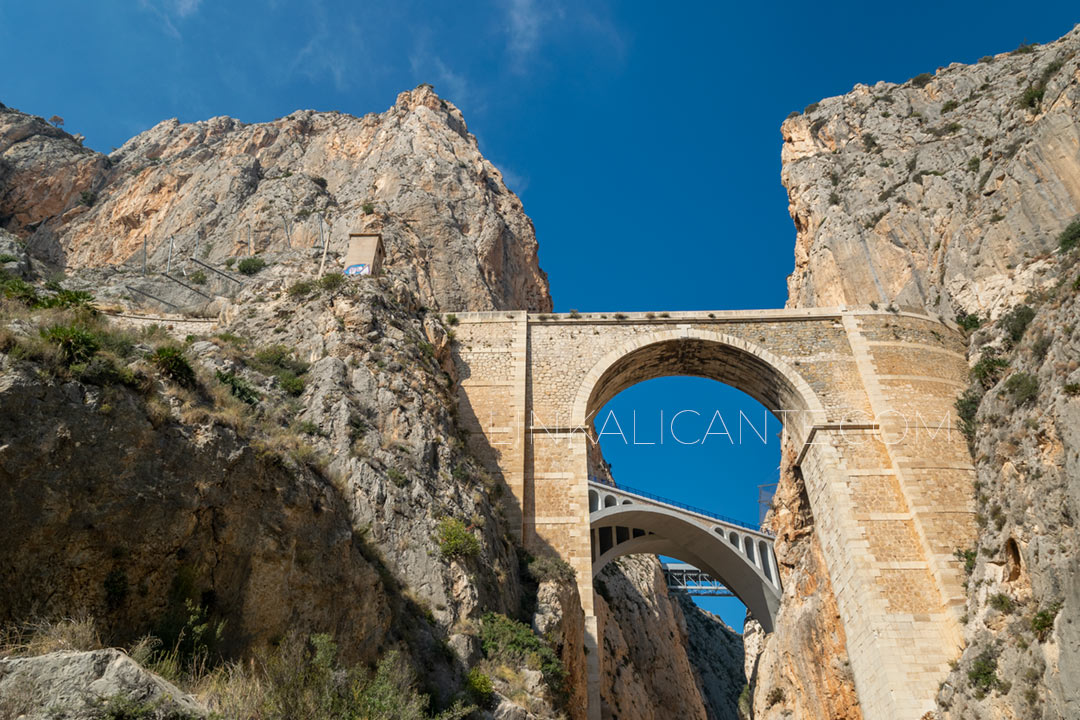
x,y
274,478
946,192
663,656
954,192
221,187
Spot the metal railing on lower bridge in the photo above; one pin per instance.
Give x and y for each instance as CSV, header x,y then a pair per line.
x,y
680,505
689,579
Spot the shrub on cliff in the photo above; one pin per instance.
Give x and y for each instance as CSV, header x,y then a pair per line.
x,y
921,80
455,540
513,643
1022,386
1015,323
172,363
75,343
553,569
251,265
1070,236
983,673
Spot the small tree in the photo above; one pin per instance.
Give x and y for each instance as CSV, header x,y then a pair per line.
x,y
57,121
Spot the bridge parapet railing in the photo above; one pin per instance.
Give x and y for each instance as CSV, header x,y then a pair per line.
x,y
680,505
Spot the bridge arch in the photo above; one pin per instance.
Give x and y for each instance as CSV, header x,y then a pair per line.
x,y
709,354
743,561
634,528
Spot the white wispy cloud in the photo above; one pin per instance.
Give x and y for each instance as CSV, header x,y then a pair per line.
x,y
525,21
168,10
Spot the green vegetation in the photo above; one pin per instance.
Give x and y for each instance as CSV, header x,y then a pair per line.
x,y
968,322
949,106
1041,346
451,319
480,689
1022,386
547,568
921,80
172,363
810,108
76,343
869,142
198,277
1072,389
989,369
1032,97
967,405
973,165
331,282
240,388
983,672
278,361
775,697
398,478
1070,236
1024,49
368,208
87,198
834,199
1042,622
306,427
513,643
455,540
968,557
251,265
301,289
6,258
1016,322
1002,603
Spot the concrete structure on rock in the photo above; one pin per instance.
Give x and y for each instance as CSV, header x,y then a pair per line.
x,y
866,395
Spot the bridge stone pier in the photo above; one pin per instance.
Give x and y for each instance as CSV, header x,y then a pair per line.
x,y
865,396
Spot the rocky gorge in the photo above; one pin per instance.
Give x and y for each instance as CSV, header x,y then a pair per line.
x,y
266,498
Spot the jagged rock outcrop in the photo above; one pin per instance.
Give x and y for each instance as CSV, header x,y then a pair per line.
x,y
950,193
217,187
88,686
945,192
663,657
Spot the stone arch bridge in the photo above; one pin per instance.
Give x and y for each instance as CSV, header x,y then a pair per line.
x,y
866,399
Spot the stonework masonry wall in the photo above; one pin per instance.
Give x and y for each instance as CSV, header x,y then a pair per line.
x,y
869,397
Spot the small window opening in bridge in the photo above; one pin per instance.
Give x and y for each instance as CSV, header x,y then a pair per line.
x,y
699,443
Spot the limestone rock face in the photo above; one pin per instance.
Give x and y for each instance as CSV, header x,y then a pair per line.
x,y
663,658
945,192
311,511
219,187
80,686
807,625
951,193
43,172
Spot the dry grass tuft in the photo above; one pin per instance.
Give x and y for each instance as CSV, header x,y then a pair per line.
x,y
46,636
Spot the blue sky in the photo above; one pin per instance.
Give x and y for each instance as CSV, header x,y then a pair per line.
x,y
643,139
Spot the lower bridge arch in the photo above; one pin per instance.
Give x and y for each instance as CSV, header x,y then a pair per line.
x,y
739,557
